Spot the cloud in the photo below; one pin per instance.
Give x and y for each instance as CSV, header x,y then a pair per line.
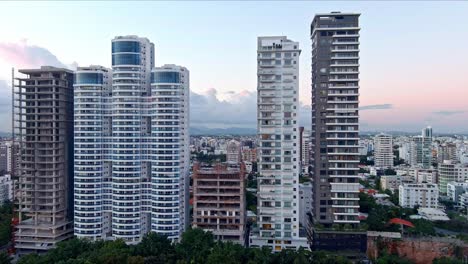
x,y
23,55
5,105
238,109
448,112
376,107
227,109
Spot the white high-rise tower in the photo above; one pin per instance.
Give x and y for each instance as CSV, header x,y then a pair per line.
x,y
383,152
278,151
131,161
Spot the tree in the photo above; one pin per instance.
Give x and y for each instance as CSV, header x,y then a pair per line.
x,y
366,202
422,227
6,213
260,255
195,245
156,246
447,260
226,253
389,171
5,258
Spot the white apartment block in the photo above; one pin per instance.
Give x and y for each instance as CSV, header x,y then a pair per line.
x,y
383,151
131,146
423,175
278,140
421,194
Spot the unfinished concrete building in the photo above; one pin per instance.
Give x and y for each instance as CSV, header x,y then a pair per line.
x,y
43,128
219,201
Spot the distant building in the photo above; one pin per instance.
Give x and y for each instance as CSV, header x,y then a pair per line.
x,y
449,171
383,151
233,152
433,214
424,175
248,166
249,154
455,189
3,158
6,188
421,149
464,200
421,194
305,202
446,151
219,201
390,182
304,144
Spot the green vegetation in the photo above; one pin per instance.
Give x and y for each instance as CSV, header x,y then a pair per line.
x,y
379,215
6,213
364,161
364,183
251,200
447,260
392,259
455,225
304,179
195,247
389,171
251,181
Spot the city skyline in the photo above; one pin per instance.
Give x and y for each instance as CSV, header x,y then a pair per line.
x,y
399,88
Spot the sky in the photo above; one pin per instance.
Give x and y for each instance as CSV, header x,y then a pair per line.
x,y
413,55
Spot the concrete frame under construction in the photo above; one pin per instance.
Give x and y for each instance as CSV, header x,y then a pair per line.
x,y
43,128
219,201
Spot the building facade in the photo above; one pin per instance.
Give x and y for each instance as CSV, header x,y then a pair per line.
x,y
383,151
446,151
219,201
419,194
43,130
449,171
278,150
6,189
233,152
305,202
131,140
304,149
455,189
335,117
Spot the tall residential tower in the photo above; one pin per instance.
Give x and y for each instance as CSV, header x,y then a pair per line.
x,y
335,117
131,158
335,133
278,151
43,130
383,152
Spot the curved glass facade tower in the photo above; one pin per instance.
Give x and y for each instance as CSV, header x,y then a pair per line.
x,y
169,150
131,163
132,60
91,88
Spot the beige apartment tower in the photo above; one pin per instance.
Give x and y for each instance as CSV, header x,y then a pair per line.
x,y
43,129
